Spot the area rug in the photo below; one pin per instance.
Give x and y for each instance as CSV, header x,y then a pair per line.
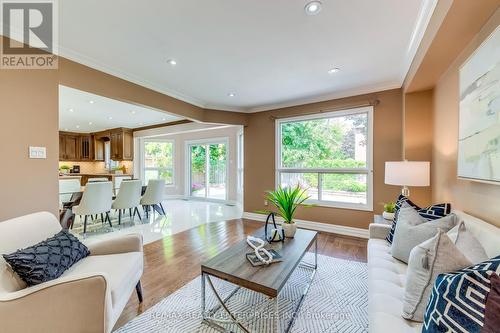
x,y
336,302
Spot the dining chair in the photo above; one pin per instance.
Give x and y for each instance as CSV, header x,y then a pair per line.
x,y
96,199
67,187
117,183
155,192
129,197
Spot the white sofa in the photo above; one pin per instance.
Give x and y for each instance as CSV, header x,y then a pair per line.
x,y
88,297
387,276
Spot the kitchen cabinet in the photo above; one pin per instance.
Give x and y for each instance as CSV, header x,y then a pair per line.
x,y
91,147
122,144
68,146
85,152
98,149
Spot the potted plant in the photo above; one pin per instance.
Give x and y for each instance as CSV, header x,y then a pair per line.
x,y
64,169
389,209
286,200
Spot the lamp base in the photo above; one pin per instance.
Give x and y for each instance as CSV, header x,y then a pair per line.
x,y
405,191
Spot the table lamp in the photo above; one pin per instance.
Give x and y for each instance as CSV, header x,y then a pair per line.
x,y
407,173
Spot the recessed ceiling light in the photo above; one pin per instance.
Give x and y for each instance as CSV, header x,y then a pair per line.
x,y
313,7
163,119
333,70
91,102
110,118
77,126
71,110
90,123
133,112
231,94
172,62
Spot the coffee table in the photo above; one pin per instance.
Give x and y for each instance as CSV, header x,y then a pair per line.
x,y
232,265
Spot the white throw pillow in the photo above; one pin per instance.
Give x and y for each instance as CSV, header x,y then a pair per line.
x,y
412,229
467,243
427,260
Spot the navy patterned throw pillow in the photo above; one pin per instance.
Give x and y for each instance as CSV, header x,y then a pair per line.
x,y
432,212
458,299
48,259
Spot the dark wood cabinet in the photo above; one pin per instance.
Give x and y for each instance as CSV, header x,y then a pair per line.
x,y
122,144
91,147
68,146
85,152
98,149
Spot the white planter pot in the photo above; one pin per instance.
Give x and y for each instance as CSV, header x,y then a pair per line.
x,y
290,229
388,216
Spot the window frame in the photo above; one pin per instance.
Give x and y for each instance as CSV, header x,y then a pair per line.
x,y
368,170
143,159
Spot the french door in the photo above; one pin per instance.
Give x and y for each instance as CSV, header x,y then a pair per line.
x,y
208,169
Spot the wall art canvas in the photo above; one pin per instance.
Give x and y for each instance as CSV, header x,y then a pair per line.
x,y
479,124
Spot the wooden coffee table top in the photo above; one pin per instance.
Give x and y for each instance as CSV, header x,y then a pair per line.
x,y
232,265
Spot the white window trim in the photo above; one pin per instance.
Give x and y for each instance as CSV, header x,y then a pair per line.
x,y
142,166
369,158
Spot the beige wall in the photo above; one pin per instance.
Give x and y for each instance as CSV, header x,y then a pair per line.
x,y
479,199
28,110
260,156
418,135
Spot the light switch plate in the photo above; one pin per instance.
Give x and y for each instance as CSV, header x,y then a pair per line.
x,y
38,152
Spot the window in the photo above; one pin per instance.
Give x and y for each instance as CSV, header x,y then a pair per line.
x,y
158,159
329,154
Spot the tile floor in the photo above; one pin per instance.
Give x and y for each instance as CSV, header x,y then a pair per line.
x,y
180,215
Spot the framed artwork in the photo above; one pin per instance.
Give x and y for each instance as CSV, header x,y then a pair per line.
x,y
479,124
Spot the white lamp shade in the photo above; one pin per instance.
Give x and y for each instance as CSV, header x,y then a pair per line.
x,y
407,173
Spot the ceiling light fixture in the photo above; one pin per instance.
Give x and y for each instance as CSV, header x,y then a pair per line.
x,y
90,123
231,94
172,62
313,7
91,102
333,70
133,112
71,110
163,119
77,126
110,118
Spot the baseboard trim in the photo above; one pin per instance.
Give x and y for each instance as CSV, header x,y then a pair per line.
x,y
317,226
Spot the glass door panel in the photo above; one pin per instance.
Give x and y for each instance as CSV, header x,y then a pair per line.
x,y
198,171
217,171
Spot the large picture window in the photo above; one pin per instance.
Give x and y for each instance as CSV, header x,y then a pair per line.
x,y
329,154
158,160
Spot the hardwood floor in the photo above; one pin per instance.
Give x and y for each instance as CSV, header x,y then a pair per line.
x,y
172,262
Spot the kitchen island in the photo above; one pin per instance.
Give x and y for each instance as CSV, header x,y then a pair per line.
x,y
113,177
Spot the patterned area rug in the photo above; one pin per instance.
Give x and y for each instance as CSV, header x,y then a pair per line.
x,y
336,302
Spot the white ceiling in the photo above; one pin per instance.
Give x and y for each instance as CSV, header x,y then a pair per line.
x,y
269,53
78,114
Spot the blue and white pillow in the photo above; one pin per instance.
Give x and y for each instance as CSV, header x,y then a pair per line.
x,y
432,212
458,299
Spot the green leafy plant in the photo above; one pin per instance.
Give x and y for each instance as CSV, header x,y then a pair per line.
x,y
390,207
286,200
64,167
